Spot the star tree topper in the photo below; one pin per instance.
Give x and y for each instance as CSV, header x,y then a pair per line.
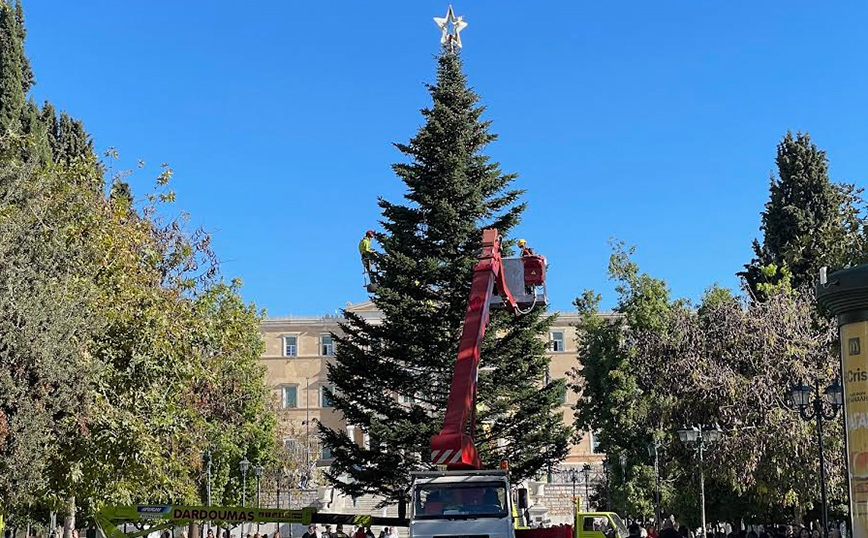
x,y
450,36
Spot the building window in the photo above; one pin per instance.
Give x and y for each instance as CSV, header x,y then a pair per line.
x,y
595,445
325,452
327,345
291,445
289,398
562,391
290,346
557,341
326,397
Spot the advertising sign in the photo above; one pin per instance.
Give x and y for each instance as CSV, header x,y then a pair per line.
x,y
854,339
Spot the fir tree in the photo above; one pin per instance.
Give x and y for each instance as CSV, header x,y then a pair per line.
x,y
392,378
809,221
35,131
71,140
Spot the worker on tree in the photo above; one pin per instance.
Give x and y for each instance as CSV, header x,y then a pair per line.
x,y
525,250
367,253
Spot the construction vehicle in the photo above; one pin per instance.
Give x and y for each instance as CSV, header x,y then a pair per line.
x,y
598,525
464,500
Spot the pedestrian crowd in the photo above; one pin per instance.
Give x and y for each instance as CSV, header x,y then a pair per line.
x,y
672,529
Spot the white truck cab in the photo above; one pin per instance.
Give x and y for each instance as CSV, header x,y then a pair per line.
x,y
461,504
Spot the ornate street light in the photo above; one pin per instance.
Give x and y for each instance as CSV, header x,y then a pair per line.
x,y
696,437
586,472
244,465
258,472
813,408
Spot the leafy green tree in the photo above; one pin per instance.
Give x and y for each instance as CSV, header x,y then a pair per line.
x,y
661,364
809,221
123,354
45,327
625,411
392,378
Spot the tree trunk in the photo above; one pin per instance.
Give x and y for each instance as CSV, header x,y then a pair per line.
x,y
69,517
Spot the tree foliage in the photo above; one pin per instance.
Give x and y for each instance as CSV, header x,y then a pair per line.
x,y
809,221
124,355
661,363
429,246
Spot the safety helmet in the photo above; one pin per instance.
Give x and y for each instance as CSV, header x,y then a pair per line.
x,y
522,242
370,233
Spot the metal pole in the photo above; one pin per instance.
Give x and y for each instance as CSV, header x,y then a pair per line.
x,y
243,496
657,493
208,489
702,478
573,479
258,492
307,425
587,495
818,410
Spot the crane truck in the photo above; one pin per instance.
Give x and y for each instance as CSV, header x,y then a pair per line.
x,y
464,500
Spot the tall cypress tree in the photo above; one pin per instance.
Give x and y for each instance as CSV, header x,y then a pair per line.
x,y
16,76
809,221
392,378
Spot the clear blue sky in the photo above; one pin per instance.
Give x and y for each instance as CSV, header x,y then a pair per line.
x,y
651,122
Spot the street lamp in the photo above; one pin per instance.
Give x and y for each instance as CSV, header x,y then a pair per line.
x,y
244,465
258,472
586,472
654,452
810,408
696,438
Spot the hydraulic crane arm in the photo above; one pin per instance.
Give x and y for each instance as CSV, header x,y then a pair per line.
x,y
454,446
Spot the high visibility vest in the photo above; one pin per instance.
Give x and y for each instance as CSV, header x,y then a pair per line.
x,y
365,246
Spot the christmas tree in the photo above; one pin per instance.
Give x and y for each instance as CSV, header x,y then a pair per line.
x,y
392,378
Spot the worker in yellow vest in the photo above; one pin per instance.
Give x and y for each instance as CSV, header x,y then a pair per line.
x,y
367,253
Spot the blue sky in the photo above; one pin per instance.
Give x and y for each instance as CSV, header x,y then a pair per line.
x,y
651,122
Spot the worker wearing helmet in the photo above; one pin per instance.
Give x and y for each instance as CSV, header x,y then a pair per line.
x,y
366,252
525,250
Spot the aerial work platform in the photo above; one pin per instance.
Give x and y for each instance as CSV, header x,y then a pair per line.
x,y
526,279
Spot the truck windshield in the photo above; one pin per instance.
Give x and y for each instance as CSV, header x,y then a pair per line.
x,y
460,501
622,529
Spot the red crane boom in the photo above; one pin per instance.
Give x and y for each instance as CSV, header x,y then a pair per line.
x,y
454,446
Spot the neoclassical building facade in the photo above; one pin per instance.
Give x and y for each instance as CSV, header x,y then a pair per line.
x,y
297,352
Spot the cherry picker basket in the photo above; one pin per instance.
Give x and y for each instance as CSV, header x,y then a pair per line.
x,y
526,279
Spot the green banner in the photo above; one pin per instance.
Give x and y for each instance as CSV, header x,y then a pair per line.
x,y
186,514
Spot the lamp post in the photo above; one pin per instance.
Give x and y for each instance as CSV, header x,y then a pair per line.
x,y
244,465
258,472
654,452
586,472
813,408
696,438
277,474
